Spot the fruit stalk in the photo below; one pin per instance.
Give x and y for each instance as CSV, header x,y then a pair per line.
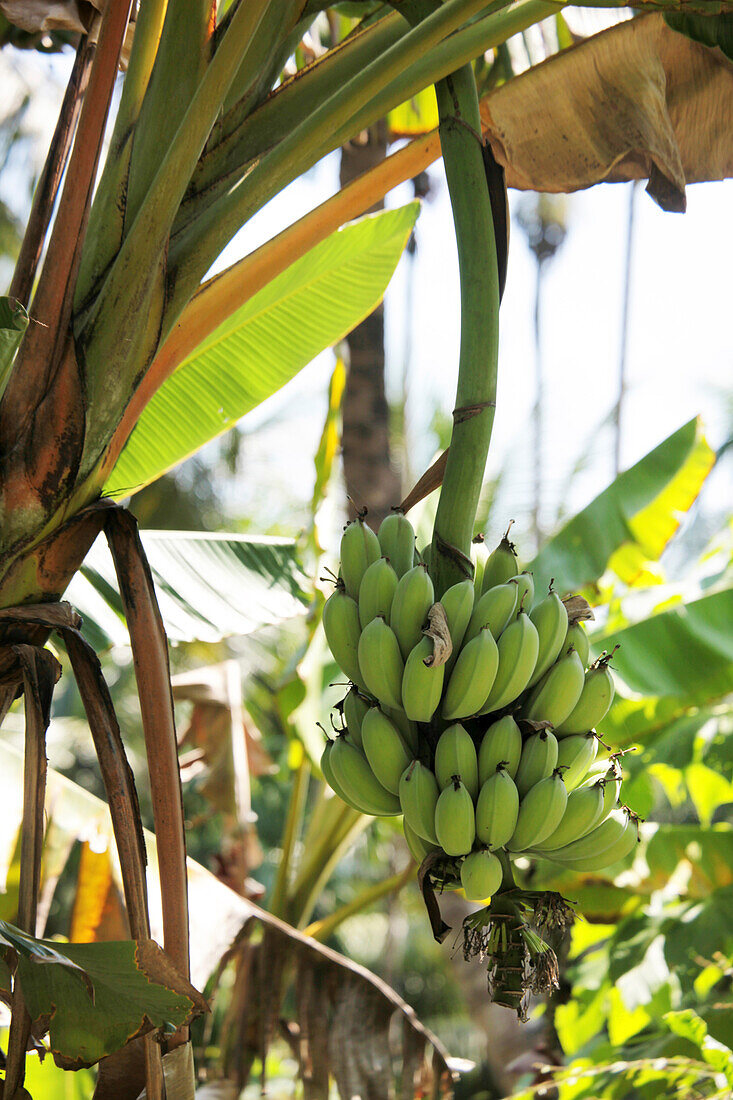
x,y
473,416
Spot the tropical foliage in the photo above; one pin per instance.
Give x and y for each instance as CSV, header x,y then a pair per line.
x,y
119,358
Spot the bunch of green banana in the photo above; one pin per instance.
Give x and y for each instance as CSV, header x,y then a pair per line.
x,y
523,774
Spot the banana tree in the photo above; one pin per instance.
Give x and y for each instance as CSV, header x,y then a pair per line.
x,y
116,348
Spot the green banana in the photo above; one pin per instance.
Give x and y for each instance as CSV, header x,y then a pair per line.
x,y
551,620
359,548
557,692
331,779
407,728
481,875
342,629
497,809
455,754
577,636
472,677
501,564
455,821
594,702
610,841
385,748
381,663
421,684
611,778
413,599
525,588
358,782
355,707
397,540
582,813
494,609
376,591
418,794
540,813
517,657
611,789
419,848
501,744
621,847
479,557
575,756
457,603
538,760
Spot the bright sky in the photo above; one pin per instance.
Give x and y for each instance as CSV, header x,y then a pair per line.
x,y
679,354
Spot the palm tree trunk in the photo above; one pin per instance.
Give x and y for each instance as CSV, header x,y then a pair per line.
x,y
372,481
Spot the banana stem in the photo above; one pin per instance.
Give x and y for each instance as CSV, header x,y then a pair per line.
x,y
473,416
291,831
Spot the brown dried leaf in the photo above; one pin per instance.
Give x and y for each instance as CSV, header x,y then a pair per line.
x,y
578,609
439,631
430,480
634,102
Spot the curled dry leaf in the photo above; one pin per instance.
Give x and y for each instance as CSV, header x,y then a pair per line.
x,y
637,101
578,609
438,631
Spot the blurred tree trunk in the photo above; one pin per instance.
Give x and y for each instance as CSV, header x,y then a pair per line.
x,y
371,478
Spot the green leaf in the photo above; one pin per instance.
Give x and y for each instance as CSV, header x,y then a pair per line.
x,y
417,115
691,1026
13,323
685,652
710,30
209,586
313,304
709,852
96,997
708,791
639,511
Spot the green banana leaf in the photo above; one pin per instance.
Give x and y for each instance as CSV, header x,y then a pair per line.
x,y
313,304
13,323
685,652
632,520
209,586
